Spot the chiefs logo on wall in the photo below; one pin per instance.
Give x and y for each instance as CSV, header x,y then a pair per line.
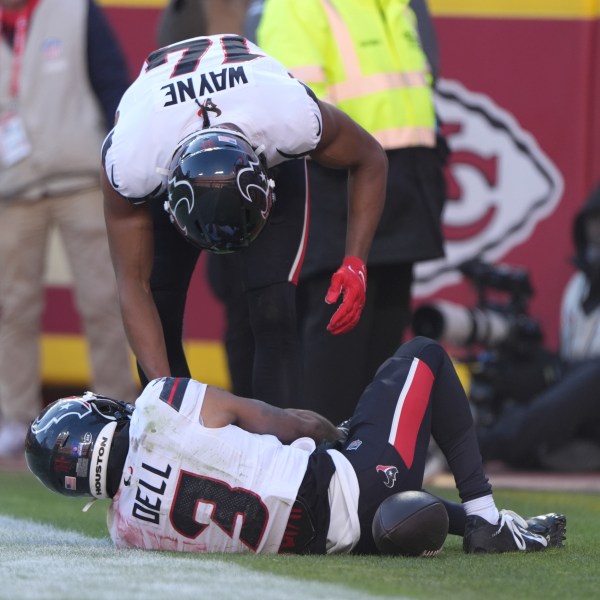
x,y
500,184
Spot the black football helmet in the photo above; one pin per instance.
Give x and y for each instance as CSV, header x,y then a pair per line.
x,y
68,444
220,194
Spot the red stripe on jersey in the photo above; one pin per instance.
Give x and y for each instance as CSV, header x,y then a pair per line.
x,y
173,390
299,260
410,410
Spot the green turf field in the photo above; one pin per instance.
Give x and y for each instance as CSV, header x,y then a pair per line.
x,y
31,564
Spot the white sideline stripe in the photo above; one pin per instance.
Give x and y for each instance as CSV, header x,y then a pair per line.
x,y
42,562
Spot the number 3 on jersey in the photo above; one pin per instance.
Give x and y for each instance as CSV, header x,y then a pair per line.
x,y
228,503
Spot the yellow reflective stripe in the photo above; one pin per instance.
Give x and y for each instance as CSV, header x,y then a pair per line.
x,y
344,42
309,74
357,85
402,137
380,82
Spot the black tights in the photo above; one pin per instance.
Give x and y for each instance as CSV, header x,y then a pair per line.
x,y
414,395
277,367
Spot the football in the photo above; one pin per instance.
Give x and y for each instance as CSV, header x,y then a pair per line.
x,y
412,523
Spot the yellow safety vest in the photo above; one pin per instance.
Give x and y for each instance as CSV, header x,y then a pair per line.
x,y
364,56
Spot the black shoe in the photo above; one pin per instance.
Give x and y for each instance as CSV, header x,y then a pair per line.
x,y
513,533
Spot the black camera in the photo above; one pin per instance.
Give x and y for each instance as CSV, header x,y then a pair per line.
x,y
490,323
506,357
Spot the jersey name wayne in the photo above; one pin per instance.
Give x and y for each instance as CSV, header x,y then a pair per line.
x,y
209,83
148,497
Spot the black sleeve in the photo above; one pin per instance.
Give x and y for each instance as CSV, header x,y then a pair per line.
x,y
107,67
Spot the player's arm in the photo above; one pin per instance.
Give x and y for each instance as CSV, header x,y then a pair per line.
x,y
131,241
222,408
345,144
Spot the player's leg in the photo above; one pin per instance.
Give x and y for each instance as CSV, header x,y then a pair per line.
x,y
420,385
486,528
334,373
333,365
338,367
389,433
413,393
391,311
224,275
270,267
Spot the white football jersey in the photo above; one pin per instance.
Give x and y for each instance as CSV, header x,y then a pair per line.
x,y
186,487
239,82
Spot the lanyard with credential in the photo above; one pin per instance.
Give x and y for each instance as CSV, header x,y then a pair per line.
x,y
21,25
14,142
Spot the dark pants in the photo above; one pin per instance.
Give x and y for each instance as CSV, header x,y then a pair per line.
x,y
337,367
268,269
415,394
224,276
568,409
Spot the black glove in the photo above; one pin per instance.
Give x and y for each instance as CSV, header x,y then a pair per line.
x,y
337,444
344,429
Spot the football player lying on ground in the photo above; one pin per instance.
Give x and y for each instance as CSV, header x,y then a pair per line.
x,y
194,468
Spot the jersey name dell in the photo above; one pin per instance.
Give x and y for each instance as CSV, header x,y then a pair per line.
x,y
211,82
146,507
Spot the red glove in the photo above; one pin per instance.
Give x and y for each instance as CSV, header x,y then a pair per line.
x,y
351,281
